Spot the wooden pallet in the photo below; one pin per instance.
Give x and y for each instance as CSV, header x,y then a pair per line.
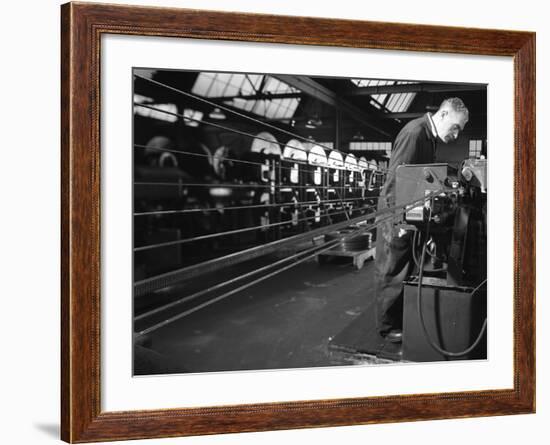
x,y
359,256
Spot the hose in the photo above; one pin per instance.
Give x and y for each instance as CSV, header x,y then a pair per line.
x,y
414,241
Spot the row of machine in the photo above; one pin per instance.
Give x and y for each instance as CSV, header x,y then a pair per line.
x,y
233,197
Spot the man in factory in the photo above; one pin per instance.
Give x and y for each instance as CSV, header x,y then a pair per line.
x,y
415,144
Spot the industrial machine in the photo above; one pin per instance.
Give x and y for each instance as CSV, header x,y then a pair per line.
x,y
445,302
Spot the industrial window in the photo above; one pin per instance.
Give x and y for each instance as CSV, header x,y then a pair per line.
x,y
475,148
372,82
237,86
395,102
370,146
399,102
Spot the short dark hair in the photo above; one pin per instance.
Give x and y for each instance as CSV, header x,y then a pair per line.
x,y
456,104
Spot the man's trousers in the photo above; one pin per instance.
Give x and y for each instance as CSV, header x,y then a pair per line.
x,y
393,265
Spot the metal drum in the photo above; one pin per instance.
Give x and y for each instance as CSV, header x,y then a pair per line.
x,y
293,160
257,166
335,167
350,164
273,154
317,160
317,165
351,188
335,184
271,157
223,164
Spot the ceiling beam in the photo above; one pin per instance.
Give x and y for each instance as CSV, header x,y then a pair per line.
x,y
402,115
259,96
406,115
318,91
428,87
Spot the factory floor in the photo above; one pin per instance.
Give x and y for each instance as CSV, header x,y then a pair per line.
x,y
286,321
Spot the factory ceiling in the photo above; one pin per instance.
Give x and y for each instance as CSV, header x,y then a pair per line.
x,y
318,107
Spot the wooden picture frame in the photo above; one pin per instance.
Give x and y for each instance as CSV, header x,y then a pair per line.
x,y
82,26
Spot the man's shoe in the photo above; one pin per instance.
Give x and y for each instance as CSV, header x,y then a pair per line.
x,y
395,336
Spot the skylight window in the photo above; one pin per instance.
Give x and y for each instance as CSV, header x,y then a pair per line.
x,y
393,103
237,86
380,98
372,82
399,102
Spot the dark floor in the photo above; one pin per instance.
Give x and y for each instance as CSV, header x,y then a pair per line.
x,y
286,321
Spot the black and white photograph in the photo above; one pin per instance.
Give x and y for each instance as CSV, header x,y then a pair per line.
x,y
286,221
240,222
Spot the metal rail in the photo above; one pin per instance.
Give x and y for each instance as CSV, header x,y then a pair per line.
x,y
322,249
151,284
325,247
249,186
228,282
258,206
242,230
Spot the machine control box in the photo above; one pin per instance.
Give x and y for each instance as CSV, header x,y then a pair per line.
x,y
414,182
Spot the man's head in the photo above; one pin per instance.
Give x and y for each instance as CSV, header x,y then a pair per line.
x,y
450,119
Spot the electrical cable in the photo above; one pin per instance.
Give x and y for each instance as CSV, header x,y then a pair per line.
x,y
414,242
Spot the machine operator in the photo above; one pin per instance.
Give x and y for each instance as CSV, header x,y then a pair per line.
x,y
415,144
